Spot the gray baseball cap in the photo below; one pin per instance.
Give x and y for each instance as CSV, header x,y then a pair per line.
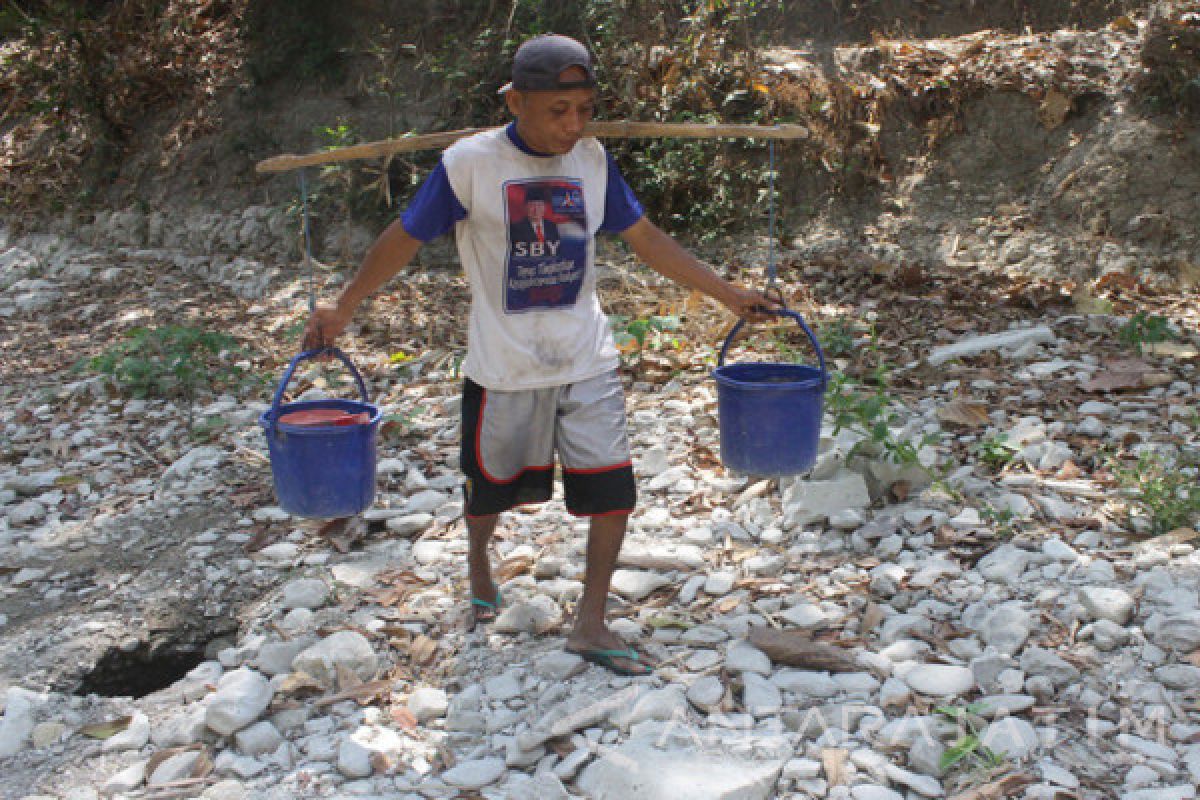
x,y
540,60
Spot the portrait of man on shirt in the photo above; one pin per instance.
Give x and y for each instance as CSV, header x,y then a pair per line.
x,y
534,235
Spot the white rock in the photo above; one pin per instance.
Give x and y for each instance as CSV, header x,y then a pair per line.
x,y
127,779
475,774
806,615
428,703
810,501
940,680
706,693
744,657
175,768
1162,793
805,682
1179,632
541,786
426,502
760,697
1115,605
1008,340
537,615
18,722
241,697
347,649
719,583
923,785
868,792
225,790
637,584
134,737
304,593
1007,627
504,686
560,665
353,760
1013,737
639,769
409,524
666,703
185,727
1004,564
258,739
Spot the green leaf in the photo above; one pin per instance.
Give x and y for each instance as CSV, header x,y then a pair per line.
x,y
960,750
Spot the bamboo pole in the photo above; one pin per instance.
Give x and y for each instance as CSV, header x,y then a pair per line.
x,y
603,130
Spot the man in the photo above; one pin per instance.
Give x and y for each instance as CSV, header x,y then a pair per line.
x,y
533,234
541,366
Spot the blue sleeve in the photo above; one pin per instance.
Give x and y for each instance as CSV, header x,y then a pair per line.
x,y
621,206
434,208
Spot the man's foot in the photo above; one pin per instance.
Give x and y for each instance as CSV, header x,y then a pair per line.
x,y
486,608
607,650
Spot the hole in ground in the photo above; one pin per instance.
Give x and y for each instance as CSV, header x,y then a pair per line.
x,y
149,667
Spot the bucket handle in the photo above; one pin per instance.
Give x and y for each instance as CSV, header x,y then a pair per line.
x,y
305,356
782,312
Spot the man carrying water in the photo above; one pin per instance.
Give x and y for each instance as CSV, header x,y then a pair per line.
x,y
525,203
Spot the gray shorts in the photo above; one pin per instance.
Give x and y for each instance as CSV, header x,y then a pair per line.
x,y
510,440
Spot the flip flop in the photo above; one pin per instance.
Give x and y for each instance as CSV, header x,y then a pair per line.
x,y
485,611
608,660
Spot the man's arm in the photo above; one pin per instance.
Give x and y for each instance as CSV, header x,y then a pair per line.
x,y
668,258
392,251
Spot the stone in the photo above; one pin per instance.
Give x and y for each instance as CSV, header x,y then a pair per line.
x,y
1007,627
537,615
308,593
924,785
637,584
1162,793
639,769
1012,340
1179,632
745,657
343,649
706,693
806,615
806,502
760,697
241,697
185,727
1011,736
426,502
560,665
719,583
1115,605
541,786
1108,635
175,768
504,686
258,739
1038,661
572,763
18,723
1181,677
47,733
940,680
276,658
353,760
428,703
805,682
134,737
871,792
925,756
225,790
1004,564
475,774
127,779
667,703
1005,705
409,524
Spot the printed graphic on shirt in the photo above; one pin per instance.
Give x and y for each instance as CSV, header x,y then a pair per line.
x,y
547,243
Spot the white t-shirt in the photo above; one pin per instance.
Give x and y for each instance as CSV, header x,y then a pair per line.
x,y
526,237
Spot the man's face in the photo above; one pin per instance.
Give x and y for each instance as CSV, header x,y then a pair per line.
x,y
535,210
552,121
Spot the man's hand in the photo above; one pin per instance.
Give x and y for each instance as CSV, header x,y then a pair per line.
x,y
324,326
748,304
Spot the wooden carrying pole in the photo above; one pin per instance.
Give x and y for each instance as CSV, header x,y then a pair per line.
x,y
602,130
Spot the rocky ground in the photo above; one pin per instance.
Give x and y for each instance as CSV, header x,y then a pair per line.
x,y
980,591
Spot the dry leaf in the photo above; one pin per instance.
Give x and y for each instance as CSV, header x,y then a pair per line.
x,y
513,566
423,650
1126,374
261,539
964,412
727,604
106,730
300,683
1124,24
872,616
833,759
1178,350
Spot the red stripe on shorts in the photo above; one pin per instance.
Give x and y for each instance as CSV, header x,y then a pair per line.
x,y
597,470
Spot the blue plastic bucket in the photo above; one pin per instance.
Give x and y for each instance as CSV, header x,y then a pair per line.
x,y
322,471
770,414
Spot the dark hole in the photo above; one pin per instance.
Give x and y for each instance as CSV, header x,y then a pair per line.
x,y
140,672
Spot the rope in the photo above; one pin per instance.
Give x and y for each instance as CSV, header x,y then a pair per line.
x,y
308,256
771,272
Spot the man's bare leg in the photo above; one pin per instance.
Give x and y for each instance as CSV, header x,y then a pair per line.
x,y
591,632
479,566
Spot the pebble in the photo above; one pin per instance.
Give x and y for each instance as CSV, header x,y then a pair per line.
x,y
940,680
241,697
344,649
1013,737
637,584
135,736
428,703
475,774
175,768
1114,605
353,760
309,593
